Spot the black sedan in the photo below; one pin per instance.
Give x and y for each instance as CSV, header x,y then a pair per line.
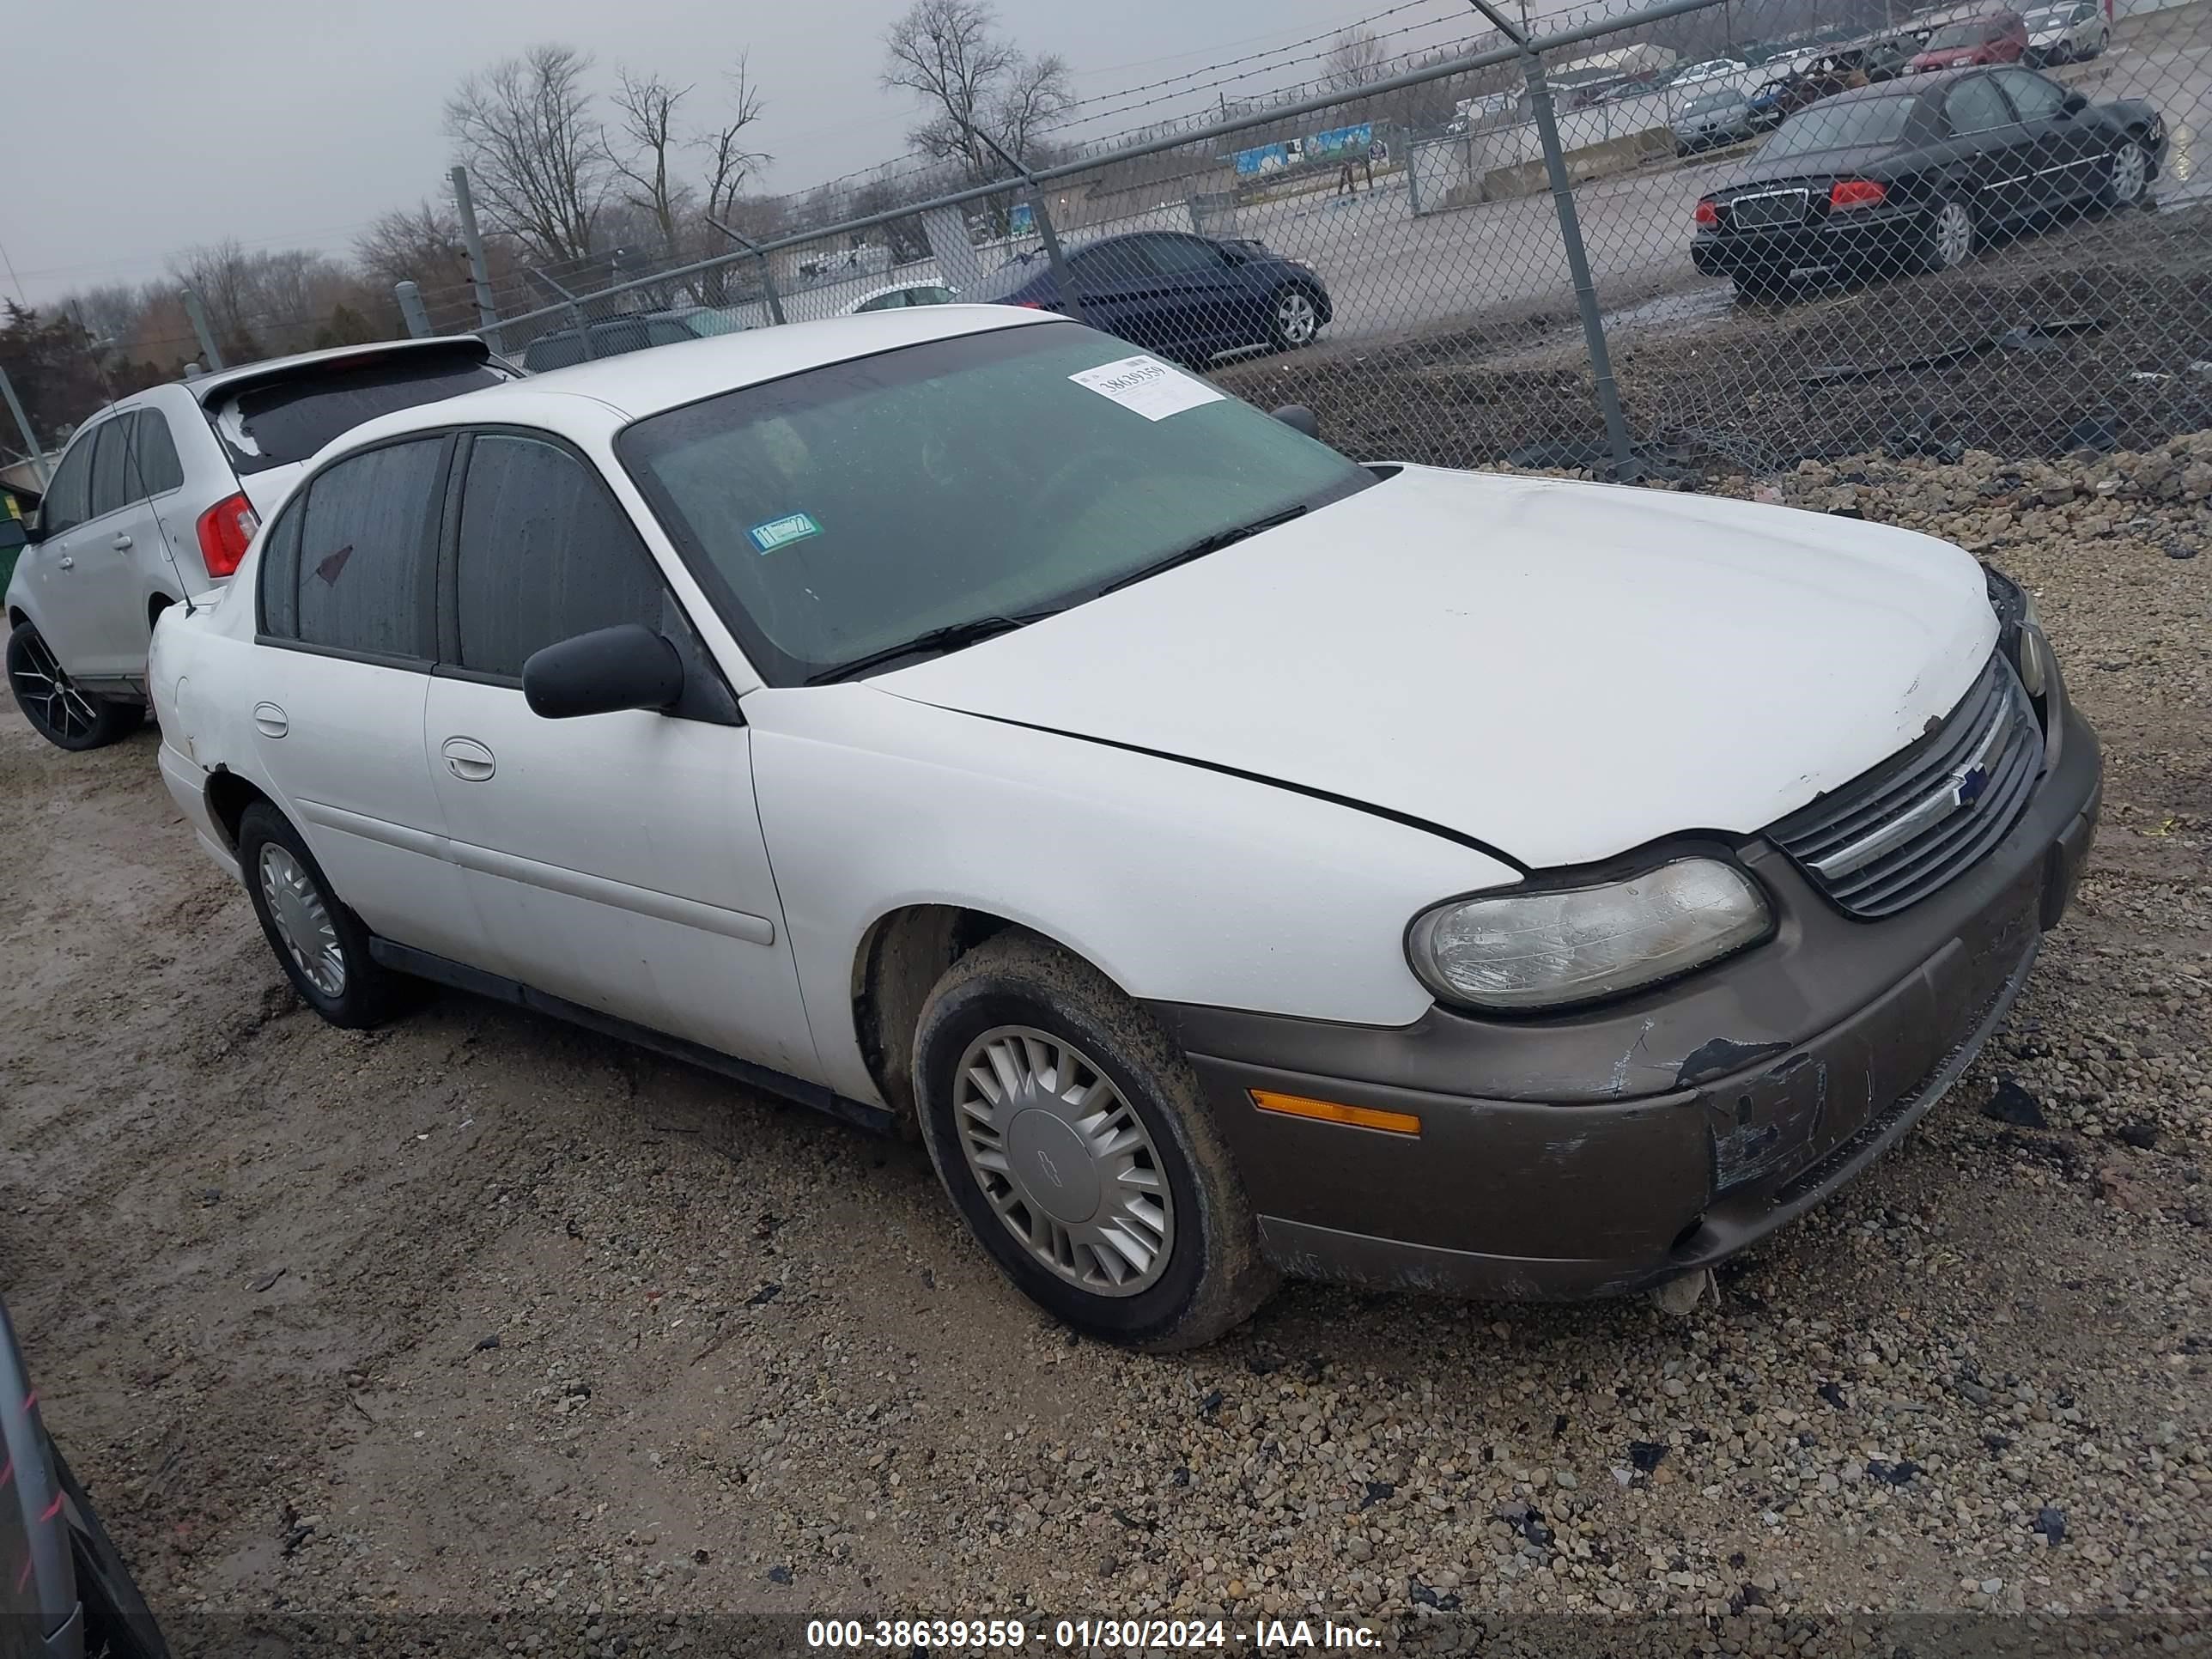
x,y
1912,174
1186,297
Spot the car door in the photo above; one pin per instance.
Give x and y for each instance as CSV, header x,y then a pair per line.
x,y
344,639
47,569
615,861
107,596
1120,288
1207,297
2065,152
1995,152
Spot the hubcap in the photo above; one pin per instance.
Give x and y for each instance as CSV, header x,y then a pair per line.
x,y
49,695
2128,173
1295,316
1064,1160
303,921
1954,234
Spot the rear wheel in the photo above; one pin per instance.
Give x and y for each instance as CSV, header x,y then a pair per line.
x,y
61,712
1947,240
1072,1138
2126,177
321,945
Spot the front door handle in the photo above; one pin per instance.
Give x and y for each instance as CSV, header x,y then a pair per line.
x,y
269,720
468,760
121,543
67,562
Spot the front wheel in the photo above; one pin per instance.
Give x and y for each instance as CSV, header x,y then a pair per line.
x,y
1294,320
2126,177
321,945
60,711
1948,239
1072,1138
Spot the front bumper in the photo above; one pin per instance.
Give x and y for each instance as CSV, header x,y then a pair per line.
x,y
1593,1154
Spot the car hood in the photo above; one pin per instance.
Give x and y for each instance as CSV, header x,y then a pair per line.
x,y
1561,671
1949,58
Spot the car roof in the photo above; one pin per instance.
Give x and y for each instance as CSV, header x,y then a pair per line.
x,y
1924,85
642,383
204,386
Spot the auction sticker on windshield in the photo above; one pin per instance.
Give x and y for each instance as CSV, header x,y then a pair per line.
x,y
781,532
1154,389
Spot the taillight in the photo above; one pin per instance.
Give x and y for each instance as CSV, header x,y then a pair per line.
x,y
1029,305
226,530
1707,214
1856,193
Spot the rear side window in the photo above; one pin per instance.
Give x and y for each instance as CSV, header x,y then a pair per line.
x,y
157,467
545,553
367,562
280,574
1845,123
111,466
288,420
1172,253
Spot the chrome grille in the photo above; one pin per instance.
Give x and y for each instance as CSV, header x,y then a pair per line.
x,y
1891,837
1773,207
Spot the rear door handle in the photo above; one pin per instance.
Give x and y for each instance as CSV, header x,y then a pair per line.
x,y
269,720
468,760
121,543
66,562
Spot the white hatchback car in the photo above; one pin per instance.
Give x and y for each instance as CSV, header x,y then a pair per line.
x,y
1229,858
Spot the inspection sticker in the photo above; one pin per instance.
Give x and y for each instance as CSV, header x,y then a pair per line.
x,y
1154,389
781,532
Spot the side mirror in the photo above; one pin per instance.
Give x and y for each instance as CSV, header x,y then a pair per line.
x,y
14,533
2075,103
1299,418
598,673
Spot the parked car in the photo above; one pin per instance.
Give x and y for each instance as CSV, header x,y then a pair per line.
x,y
1996,37
66,1591
1722,117
911,294
565,347
156,497
918,717
2068,33
1187,297
1912,175
1714,69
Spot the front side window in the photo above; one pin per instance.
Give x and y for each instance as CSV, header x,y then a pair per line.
x,y
1976,106
68,500
545,553
2035,97
111,466
368,559
840,512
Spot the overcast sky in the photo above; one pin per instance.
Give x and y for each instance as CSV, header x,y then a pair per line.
x,y
139,127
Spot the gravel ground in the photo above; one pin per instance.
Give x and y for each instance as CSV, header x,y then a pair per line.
x,y
478,1334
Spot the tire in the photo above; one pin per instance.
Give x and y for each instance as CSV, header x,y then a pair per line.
x,y
2126,177
1949,238
117,1621
1293,318
64,716
1037,1023
331,968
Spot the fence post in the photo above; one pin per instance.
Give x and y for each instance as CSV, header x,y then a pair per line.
x,y
479,272
410,309
1570,233
23,425
1063,278
774,299
197,313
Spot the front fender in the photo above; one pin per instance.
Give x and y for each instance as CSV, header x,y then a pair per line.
x,y
1180,882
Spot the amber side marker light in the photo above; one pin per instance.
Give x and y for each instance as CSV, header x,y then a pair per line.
x,y
1330,1111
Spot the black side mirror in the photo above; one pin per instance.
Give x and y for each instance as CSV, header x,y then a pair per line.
x,y
14,533
598,673
2075,103
1299,418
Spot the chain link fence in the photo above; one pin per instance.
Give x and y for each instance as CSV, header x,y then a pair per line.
x,y
1707,235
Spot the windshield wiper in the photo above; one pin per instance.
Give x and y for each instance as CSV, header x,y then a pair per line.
x,y
950,637
1206,544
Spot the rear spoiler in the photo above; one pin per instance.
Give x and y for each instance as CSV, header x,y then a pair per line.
x,y
452,348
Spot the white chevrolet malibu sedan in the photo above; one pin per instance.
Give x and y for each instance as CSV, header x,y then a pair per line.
x,y
1229,858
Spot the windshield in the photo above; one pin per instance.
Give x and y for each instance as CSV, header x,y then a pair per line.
x,y
838,512
1709,101
1953,35
1845,125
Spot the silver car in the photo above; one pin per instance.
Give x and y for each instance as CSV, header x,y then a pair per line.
x,y
156,497
2066,33
1721,116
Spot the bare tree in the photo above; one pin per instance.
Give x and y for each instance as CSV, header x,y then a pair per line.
x,y
729,162
949,54
640,147
524,130
1354,58
421,244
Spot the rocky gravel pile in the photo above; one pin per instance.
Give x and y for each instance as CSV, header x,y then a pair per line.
x,y
479,1335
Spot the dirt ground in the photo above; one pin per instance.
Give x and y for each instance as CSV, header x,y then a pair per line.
x,y
477,1334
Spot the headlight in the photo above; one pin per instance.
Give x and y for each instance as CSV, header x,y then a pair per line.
x,y
2020,631
1551,948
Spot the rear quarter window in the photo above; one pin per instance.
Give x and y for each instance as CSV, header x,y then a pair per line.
x,y
277,423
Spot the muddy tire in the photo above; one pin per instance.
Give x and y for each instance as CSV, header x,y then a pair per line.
x,y
322,946
1073,1139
